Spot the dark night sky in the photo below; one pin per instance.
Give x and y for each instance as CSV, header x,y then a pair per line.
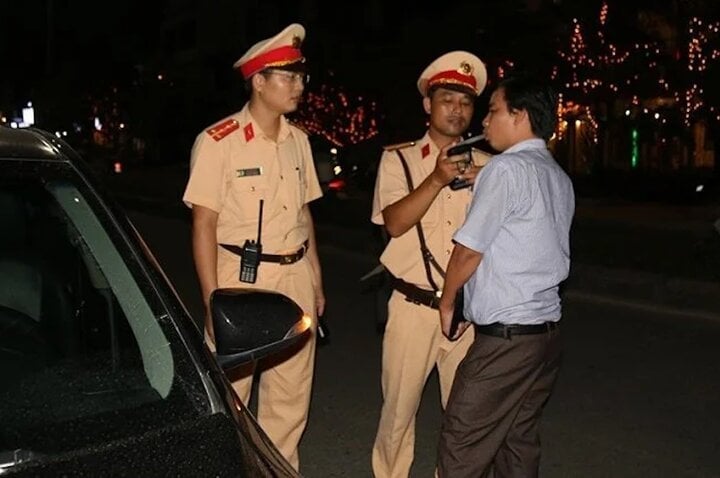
x,y
341,33
373,47
346,37
63,48
43,36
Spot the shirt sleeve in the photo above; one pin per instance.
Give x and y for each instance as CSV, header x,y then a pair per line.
x,y
312,185
390,185
490,207
206,186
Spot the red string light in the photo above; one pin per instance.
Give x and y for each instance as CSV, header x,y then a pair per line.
x,y
338,116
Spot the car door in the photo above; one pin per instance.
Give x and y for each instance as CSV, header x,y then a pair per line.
x,y
96,378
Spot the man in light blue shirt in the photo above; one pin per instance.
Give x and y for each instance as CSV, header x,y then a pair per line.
x,y
510,255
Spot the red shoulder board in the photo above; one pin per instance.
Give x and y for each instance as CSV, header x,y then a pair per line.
x,y
220,130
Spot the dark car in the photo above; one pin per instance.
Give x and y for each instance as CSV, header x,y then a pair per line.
x,y
103,371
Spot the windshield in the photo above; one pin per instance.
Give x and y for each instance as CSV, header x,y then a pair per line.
x,y
85,349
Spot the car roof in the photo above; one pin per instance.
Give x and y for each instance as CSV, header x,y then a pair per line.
x,y
31,143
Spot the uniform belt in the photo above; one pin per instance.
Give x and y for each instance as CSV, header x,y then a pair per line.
x,y
282,259
415,294
508,330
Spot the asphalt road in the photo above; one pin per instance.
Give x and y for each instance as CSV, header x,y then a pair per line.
x,y
638,394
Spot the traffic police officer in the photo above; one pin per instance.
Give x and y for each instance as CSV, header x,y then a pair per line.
x,y
252,156
414,343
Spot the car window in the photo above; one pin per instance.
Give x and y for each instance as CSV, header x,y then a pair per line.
x,y
110,272
85,353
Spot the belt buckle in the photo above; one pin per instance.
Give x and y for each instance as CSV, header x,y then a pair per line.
x,y
435,299
286,260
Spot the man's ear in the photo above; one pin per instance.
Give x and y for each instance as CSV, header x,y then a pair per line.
x,y
258,82
426,104
520,116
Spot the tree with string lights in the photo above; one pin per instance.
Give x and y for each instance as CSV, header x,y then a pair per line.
x,y
340,117
596,74
652,84
690,74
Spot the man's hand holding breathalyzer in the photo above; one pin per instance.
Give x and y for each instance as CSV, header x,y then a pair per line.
x,y
448,168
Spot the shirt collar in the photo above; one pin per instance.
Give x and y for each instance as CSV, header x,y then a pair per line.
x,y
245,118
427,147
535,143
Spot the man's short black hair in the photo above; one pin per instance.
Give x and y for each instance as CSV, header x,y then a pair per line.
x,y
537,98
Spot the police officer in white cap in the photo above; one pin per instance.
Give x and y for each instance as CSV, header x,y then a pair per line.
x,y
414,343
257,157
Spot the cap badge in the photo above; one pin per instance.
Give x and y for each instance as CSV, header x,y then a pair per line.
x,y
296,42
465,68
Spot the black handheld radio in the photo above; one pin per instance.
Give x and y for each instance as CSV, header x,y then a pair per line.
x,y
251,252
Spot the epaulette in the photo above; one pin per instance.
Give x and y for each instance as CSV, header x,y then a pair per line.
x,y
221,130
395,147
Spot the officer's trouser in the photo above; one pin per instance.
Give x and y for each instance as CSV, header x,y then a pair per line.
x,y
413,344
286,378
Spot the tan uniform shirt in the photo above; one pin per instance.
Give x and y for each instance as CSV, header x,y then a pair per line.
x,y
234,165
445,215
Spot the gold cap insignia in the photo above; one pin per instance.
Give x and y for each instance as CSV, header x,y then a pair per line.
x,y
465,68
296,42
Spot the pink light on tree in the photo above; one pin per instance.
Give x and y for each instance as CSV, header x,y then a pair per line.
x,y
340,117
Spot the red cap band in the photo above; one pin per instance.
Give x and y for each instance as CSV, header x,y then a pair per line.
x,y
453,77
278,57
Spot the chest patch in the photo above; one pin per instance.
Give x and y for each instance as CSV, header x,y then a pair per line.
x,y
243,173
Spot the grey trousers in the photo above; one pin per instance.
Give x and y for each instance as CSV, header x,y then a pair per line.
x,y
490,426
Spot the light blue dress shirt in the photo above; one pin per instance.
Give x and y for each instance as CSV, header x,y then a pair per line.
x,y
520,218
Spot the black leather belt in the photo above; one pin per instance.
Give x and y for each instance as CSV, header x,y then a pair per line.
x,y
415,294
282,259
508,330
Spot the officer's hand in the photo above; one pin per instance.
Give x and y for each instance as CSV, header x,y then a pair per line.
x,y
480,159
209,332
320,301
470,173
453,167
445,170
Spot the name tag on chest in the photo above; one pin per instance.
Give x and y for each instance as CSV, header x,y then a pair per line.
x,y
242,173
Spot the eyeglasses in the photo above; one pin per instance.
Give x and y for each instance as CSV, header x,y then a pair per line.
x,y
292,76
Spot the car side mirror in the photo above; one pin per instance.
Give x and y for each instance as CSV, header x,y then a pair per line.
x,y
250,324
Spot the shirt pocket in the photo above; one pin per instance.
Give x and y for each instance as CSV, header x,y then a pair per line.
x,y
246,192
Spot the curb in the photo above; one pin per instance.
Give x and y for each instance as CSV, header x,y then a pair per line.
x,y
691,314
646,290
